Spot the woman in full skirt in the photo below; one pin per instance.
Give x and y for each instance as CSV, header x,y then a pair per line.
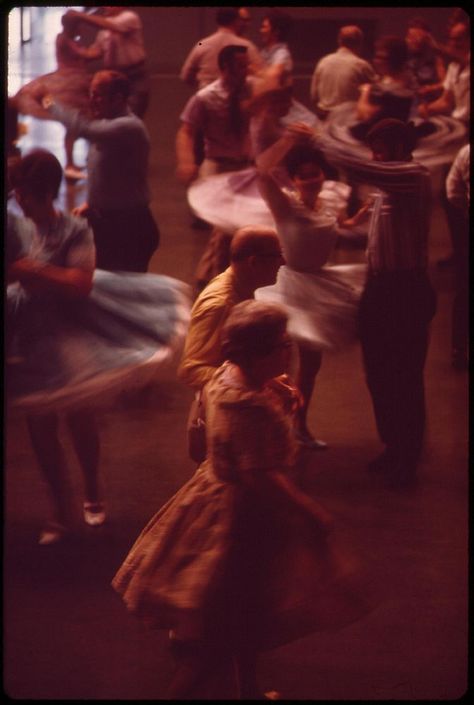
x,y
76,337
239,560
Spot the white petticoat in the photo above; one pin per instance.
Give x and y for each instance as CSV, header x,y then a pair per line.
x,y
232,200
322,307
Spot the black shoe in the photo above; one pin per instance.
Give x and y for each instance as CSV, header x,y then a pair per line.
x,y
382,463
306,440
459,360
402,476
199,224
445,262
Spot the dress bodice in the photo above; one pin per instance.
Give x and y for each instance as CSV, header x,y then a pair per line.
x,y
248,430
307,236
68,233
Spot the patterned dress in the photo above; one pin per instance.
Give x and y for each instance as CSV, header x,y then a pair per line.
x,y
224,561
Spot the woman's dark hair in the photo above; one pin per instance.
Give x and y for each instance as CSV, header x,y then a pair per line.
x,y
226,56
39,172
396,50
252,330
306,154
280,22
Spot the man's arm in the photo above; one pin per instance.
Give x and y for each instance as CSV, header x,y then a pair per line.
x,y
202,350
94,130
313,91
190,67
102,22
444,105
186,169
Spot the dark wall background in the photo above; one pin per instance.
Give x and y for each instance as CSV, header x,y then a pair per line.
x,y
170,32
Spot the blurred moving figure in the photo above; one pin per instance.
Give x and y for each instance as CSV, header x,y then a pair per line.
x,y
337,77
120,44
277,61
424,60
392,95
76,337
118,195
201,65
455,99
459,199
69,84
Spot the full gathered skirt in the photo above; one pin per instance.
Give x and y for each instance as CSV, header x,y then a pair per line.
x,y
68,86
232,200
63,354
322,306
218,563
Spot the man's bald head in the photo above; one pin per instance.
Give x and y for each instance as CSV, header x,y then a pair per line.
x,y
254,240
350,37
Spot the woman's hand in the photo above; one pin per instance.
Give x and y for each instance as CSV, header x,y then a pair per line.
x,y
301,131
323,519
47,101
81,211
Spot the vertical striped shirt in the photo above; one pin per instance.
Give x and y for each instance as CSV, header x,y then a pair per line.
x,y
400,211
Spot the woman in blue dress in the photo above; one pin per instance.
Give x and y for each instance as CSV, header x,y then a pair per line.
x,y
75,335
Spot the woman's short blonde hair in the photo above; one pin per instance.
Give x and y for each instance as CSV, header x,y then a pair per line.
x,y
252,330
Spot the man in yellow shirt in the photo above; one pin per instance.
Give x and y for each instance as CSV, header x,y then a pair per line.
x,y
255,257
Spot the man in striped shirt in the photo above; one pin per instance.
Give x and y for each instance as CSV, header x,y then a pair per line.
x,y
398,301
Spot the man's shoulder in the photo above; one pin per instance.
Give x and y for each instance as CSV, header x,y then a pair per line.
x,y
127,19
218,294
211,90
328,58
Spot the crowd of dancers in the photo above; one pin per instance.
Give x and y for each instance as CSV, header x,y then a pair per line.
x,y
279,186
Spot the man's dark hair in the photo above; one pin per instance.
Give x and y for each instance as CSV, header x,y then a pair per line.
x,y
280,22
396,49
391,131
306,154
226,16
225,57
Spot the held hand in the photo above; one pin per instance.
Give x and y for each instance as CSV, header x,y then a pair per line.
x,y
323,519
81,211
47,101
423,110
186,173
299,130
